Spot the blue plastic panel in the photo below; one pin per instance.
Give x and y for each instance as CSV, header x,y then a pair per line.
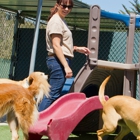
x,y
119,17
137,22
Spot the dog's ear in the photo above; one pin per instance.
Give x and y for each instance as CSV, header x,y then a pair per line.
x,y
30,80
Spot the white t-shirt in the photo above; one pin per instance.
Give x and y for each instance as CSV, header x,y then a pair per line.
x,y
58,26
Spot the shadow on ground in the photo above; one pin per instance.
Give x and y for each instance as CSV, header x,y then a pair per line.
x,y
94,137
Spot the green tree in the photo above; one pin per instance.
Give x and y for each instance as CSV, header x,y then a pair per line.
x,y
134,9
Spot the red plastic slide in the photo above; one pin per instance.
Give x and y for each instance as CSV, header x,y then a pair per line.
x,y
58,121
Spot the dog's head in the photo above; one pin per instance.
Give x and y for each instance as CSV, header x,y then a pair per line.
x,y
27,82
38,82
34,75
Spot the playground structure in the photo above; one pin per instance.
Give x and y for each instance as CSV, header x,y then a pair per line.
x,y
130,69
51,122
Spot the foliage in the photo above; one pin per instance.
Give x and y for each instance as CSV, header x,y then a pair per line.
x,y
134,9
6,35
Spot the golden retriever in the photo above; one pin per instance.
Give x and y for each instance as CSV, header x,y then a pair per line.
x,y
19,103
119,110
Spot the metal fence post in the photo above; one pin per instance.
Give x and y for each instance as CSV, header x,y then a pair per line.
x,y
35,41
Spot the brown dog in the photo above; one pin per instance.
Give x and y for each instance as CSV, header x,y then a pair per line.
x,y
20,104
119,110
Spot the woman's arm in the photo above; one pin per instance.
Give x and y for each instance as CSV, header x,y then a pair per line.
x,y
56,41
83,50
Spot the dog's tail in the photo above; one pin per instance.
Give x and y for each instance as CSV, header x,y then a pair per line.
x,y
102,90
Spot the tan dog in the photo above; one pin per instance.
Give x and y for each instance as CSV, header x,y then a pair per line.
x,y
119,110
20,104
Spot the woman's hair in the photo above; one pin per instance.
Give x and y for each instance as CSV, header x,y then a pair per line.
x,y
54,9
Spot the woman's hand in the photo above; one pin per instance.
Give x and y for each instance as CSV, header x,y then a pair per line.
x,y
68,72
83,50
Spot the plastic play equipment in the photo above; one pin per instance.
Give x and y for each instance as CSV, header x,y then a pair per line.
x,y
124,76
67,85
58,121
130,69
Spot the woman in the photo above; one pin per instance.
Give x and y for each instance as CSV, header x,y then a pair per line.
x,y
60,50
